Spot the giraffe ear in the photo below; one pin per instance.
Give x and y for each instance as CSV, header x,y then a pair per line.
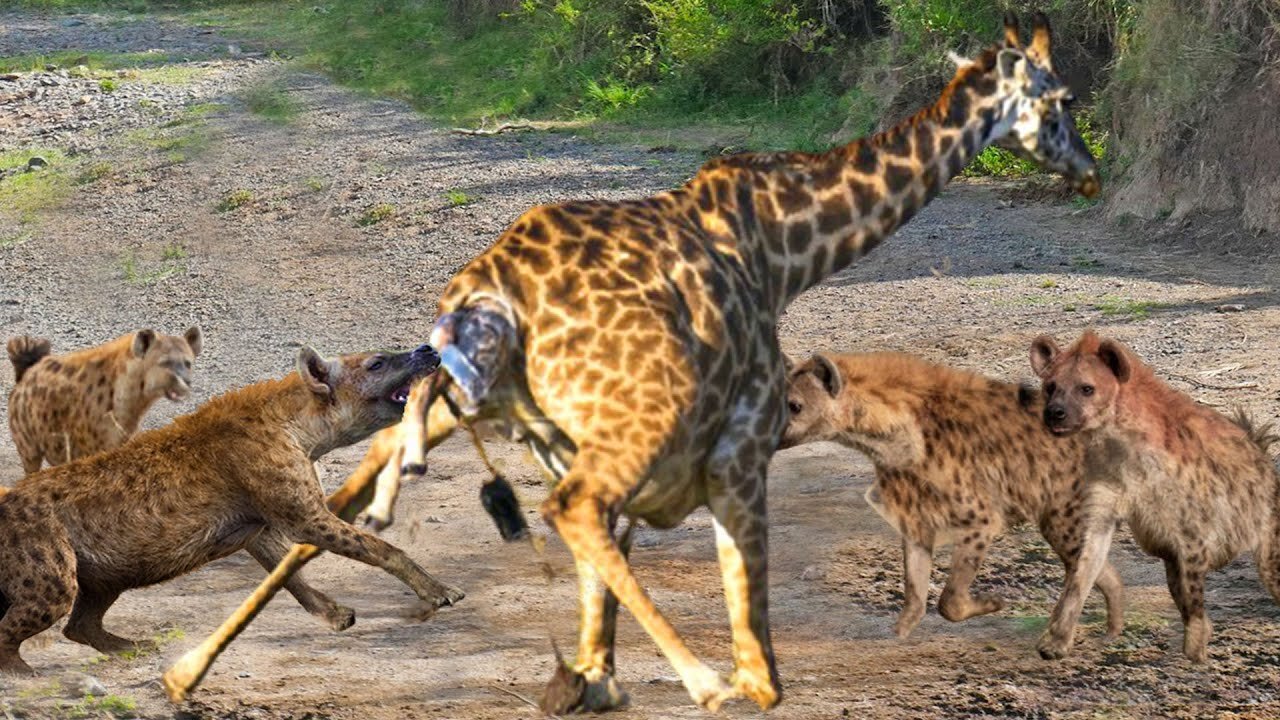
x,y
1012,65
1011,31
1041,46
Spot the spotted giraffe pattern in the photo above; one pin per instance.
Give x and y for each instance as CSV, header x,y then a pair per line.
x,y
71,406
643,368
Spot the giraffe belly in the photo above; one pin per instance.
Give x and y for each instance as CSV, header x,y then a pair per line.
x,y
673,490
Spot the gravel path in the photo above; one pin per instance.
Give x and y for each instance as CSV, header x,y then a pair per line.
x,y
339,226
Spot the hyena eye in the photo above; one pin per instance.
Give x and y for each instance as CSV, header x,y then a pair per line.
x,y
375,365
794,407
1086,390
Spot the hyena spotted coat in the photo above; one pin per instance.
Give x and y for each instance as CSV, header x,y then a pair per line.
x,y
65,407
958,457
1196,488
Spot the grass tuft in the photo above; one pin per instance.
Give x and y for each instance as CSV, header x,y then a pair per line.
x,y
376,214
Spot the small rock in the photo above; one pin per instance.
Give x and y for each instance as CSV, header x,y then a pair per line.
x,y
10,77
82,100
1230,307
77,685
812,572
243,674
50,67
233,49
36,162
72,22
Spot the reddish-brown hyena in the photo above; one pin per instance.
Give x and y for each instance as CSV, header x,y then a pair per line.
x,y
958,456
1196,488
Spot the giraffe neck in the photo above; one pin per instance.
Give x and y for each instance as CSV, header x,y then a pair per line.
x,y
832,208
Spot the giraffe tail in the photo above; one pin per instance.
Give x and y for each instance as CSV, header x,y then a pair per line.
x,y
25,351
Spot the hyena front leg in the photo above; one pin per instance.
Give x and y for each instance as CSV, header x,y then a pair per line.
x,y
917,564
1099,523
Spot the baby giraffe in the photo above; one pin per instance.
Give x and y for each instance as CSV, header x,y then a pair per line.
x,y
1196,488
958,456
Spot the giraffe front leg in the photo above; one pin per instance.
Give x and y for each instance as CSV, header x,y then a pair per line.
x,y
742,543
577,512
589,685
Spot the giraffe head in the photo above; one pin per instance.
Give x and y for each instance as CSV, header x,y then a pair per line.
x,y
1035,101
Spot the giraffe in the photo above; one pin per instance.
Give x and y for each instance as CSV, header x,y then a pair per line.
x,y
632,346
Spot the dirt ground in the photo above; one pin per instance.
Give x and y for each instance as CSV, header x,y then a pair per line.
x,y
302,257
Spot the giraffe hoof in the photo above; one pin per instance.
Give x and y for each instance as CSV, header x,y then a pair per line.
x,y
761,690
708,689
376,524
564,692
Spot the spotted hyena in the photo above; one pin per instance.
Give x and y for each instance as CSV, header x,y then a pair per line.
x,y
958,457
1197,488
69,406
235,474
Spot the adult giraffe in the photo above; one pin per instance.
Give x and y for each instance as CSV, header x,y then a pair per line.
x,y
632,346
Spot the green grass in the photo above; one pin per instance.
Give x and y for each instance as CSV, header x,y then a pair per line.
x,y
136,270
94,172
24,193
234,200
271,102
458,198
376,214
97,707
1114,306
182,138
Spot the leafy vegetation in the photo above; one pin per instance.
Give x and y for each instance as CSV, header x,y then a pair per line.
x,y
376,214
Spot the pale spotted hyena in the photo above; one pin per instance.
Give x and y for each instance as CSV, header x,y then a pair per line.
x,y
958,456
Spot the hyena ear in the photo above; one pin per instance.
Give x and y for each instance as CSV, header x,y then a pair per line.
x,y
319,374
788,365
142,341
828,374
194,338
1113,355
1043,351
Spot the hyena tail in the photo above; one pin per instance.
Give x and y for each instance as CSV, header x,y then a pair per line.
x,y
1268,552
1264,436
25,351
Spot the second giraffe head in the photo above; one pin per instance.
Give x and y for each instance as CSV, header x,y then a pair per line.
x,y
1037,124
